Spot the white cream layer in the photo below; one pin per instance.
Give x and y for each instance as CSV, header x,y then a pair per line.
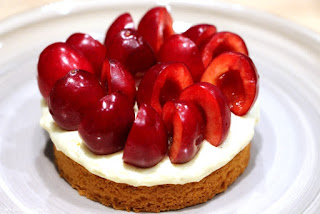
x,y
111,167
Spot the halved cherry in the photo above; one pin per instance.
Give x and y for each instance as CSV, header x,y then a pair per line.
x,y
200,33
56,61
184,123
178,48
115,77
221,42
105,128
163,82
213,104
147,143
124,21
93,50
132,51
72,96
235,74
156,26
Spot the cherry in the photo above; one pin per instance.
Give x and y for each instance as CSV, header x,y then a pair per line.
x,y
156,26
104,129
73,95
93,50
200,33
221,42
178,48
124,21
116,78
163,82
216,111
184,123
147,142
235,74
132,51
56,61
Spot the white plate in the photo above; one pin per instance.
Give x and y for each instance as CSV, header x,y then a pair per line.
x,y
283,175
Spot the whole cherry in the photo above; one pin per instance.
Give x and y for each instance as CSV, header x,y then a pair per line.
x,y
56,61
104,129
72,96
132,51
93,50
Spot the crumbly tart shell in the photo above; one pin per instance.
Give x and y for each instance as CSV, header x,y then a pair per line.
x,y
154,198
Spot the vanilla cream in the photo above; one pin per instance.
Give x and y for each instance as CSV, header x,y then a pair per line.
x,y
111,167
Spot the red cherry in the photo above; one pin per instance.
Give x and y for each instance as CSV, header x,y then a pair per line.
x,y
211,101
156,26
56,61
116,78
93,50
104,129
147,142
72,96
163,82
235,74
185,123
201,33
178,48
131,50
219,43
124,21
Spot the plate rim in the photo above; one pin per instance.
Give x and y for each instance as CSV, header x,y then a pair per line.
x,y
51,10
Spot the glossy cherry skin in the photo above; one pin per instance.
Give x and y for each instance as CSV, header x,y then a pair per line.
x,y
185,125
132,51
93,50
156,26
147,143
178,48
105,128
56,61
237,77
215,109
219,43
115,77
124,21
163,82
72,96
200,33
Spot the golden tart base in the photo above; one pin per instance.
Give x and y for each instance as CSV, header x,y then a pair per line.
x,y
154,198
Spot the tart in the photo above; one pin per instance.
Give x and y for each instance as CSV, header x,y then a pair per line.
x,y
152,120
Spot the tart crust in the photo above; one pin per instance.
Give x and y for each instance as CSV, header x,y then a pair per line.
x,y
150,199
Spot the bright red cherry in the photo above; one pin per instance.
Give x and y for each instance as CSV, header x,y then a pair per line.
x,y
219,43
200,33
56,61
156,26
93,50
213,104
184,123
147,142
132,51
104,129
178,48
124,21
115,77
163,82
235,74
72,96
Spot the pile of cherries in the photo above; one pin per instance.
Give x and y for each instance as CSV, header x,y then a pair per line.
x,y
188,85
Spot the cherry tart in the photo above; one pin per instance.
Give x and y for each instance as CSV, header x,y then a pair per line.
x,y
149,99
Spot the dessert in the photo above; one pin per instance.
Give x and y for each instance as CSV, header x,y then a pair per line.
x,y
190,137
